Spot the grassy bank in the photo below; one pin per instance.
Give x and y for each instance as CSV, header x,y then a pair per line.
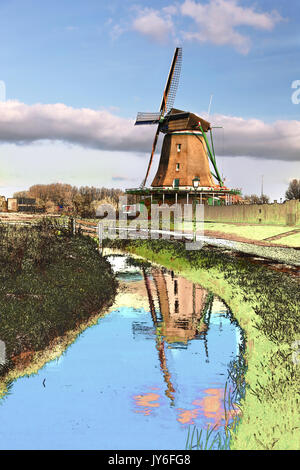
x,y
266,304
254,231
50,284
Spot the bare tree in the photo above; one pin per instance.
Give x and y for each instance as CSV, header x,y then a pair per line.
x,y
70,199
255,199
264,199
21,194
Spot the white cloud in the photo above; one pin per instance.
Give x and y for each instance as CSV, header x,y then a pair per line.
x,y
170,10
116,31
158,25
215,21
24,124
21,123
252,137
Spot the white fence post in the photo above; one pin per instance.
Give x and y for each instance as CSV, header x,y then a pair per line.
x,y
100,237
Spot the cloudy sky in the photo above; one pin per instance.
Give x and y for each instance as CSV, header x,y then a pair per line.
x,y
74,73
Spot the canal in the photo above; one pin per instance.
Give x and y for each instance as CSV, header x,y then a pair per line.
x,y
155,365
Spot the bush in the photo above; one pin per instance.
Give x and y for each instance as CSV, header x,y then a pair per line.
x,y
49,283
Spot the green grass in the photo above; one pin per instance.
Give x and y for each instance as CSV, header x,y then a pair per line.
x,y
266,305
253,232
50,282
291,240
250,231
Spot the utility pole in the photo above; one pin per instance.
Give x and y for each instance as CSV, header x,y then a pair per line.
x,y
209,106
262,185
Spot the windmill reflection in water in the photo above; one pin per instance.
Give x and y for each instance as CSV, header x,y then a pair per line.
x,y
183,314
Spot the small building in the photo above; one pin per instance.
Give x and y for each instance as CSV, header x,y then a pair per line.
x,y
21,204
12,204
26,204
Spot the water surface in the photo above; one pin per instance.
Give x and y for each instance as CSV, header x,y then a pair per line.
x,y
153,366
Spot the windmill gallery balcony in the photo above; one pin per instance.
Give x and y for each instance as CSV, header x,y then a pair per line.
x,y
186,195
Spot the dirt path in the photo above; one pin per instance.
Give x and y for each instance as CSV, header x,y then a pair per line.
x,y
281,235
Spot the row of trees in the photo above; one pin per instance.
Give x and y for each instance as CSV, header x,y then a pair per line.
x,y
293,192
83,201
70,199
254,199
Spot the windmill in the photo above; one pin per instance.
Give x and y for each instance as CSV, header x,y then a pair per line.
x,y
173,122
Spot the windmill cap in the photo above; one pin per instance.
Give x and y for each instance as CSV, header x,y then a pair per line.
x,y
184,120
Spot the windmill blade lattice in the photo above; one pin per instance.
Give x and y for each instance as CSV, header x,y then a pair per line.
x,y
166,104
173,80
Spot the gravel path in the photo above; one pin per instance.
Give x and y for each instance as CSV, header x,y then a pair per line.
x,y
289,256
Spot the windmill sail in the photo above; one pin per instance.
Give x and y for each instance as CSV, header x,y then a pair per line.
x,y
147,118
166,103
151,157
172,82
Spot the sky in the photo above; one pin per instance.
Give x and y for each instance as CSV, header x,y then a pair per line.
x,y
74,74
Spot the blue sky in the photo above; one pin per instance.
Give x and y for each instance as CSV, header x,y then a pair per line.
x,y
113,57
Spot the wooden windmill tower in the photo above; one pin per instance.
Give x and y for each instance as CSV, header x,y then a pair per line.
x,y
187,162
